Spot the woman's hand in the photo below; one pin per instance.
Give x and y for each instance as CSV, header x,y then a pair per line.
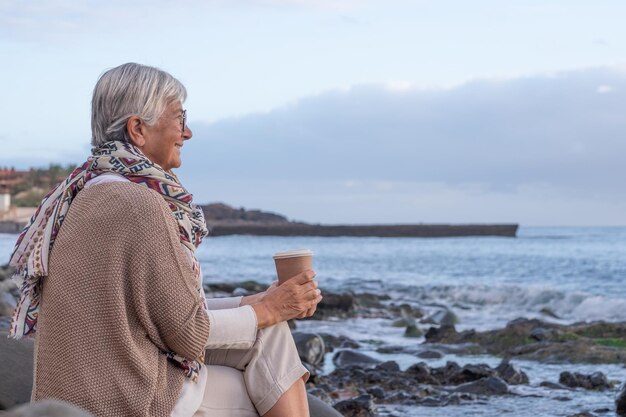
x,y
295,298
255,298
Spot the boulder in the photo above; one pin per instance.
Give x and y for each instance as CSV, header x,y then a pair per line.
x,y
620,401
486,386
48,408
511,373
540,334
445,373
340,305
333,342
390,366
413,331
16,372
361,406
471,372
310,347
594,381
442,334
430,354
422,374
347,358
318,408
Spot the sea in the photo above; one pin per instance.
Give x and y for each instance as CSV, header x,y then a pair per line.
x,y
576,274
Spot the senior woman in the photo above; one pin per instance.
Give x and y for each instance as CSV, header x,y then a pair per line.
x,y
111,285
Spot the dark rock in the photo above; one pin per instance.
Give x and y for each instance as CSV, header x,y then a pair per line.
x,y
540,334
250,286
370,300
335,305
413,331
594,381
620,401
444,374
486,386
442,334
511,373
421,373
583,414
430,354
333,342
376,392
16,371
310,347
347,358
470,373
48,408
361,406
320,408
390,366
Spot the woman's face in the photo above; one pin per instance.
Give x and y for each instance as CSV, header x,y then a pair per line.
x,y
164,140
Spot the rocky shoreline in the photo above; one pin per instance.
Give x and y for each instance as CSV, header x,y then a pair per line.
x,y
359,383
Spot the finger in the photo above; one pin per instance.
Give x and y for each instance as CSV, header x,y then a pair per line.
x,y
304,277
311,294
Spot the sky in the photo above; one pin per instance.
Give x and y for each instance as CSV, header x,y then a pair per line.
x,y
354,111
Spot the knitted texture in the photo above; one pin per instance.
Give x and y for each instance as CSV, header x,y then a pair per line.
x,y
120,291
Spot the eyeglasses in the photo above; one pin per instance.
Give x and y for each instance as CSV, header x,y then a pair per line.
x,y
183,120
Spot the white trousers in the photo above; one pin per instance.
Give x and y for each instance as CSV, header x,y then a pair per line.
x,y
248,382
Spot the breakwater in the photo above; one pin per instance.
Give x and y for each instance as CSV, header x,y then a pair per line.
x,y
406,230
303,229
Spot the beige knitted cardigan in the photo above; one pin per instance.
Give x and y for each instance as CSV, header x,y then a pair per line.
x,y
120,290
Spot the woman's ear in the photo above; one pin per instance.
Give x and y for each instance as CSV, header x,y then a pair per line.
x,y
136,131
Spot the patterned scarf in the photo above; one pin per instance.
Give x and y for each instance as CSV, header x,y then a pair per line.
x,y
30,256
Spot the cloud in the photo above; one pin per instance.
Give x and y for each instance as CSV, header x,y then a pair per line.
x,y
604,89
600,42
60,19
553,130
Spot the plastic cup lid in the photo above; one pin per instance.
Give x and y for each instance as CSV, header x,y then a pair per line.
x,y
293,253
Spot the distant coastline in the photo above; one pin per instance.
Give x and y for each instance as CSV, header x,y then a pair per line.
x,y
224,220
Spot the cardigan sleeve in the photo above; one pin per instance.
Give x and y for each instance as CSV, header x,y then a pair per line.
x,y
166,293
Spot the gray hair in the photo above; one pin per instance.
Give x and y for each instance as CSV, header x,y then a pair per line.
x,y
130,90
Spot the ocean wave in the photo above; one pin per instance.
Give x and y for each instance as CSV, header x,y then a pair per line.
x,y
489,306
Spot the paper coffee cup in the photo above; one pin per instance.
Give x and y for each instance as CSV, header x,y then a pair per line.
x,y
290,263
